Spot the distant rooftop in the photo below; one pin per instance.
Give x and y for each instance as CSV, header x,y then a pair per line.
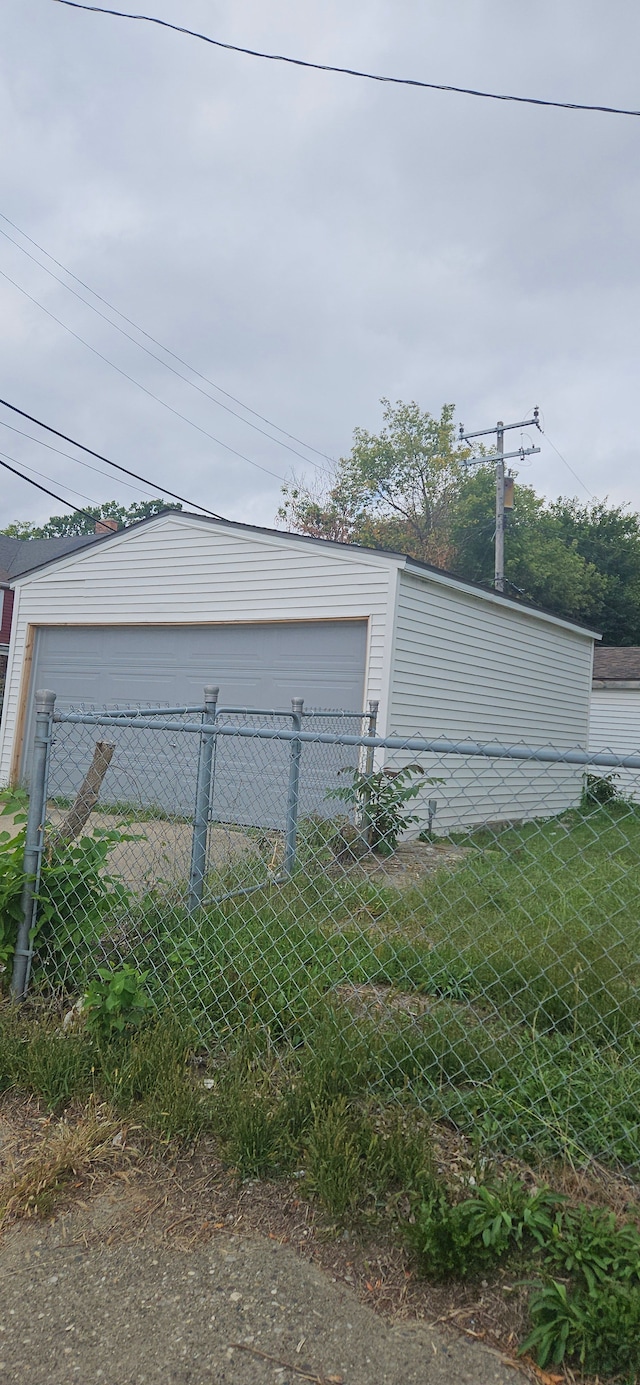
x,y
616,665
18,556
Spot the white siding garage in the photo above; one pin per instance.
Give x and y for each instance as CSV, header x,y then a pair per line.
x,y
177,601
615,709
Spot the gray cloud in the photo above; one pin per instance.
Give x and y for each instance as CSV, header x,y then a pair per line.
x,y
313,242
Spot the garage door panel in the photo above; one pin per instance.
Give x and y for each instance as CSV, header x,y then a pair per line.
x,y
254,665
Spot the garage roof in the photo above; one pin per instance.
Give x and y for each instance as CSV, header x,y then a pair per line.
x,y
617,665
411,563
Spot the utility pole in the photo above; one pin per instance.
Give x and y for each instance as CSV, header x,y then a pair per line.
x,y
498,580
499,458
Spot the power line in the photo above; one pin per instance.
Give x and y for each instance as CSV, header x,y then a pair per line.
x,y
351,71
142,347
48,492
60,453
35,472
169,352
99,457
569,468
138,383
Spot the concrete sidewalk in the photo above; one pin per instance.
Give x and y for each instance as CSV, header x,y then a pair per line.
x,y
144,1314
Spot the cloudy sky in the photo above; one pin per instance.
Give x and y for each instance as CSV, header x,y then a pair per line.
x,y
311,242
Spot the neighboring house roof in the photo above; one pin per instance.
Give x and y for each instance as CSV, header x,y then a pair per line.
x,y
18,556
617,666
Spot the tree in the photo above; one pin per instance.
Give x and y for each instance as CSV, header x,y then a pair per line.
x,y
610,540
397,489
543,562
407,489
72,525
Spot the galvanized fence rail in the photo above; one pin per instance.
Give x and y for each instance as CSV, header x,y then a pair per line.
x,y
467,912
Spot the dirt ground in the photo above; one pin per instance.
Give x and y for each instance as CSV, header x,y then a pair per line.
x,y
160,850
149,1270
410,862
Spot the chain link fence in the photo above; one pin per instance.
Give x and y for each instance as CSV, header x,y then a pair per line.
x,y
466,917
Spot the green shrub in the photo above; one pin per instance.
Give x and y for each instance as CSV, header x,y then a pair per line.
x,y
76,899
381,798
116,1001
458,1239
587,1244
11,886
599,789
600,1330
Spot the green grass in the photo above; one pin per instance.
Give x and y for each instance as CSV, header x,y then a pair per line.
x,y
526,955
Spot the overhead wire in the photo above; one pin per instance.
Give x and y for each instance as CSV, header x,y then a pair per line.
x,y
167,349
46,490
153,485
351,71
569,467
142,347
61,453
138,383
44,477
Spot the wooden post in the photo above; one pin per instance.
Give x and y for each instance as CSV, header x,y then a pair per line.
x,y
87,795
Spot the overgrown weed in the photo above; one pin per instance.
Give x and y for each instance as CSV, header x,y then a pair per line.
x,y
69,1149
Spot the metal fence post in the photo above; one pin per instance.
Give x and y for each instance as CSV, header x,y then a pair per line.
x,y
372,722
203,800
34,842
293,793
371,731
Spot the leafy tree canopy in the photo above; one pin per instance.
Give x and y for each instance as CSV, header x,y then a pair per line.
x,y
73,525
395,490
407,489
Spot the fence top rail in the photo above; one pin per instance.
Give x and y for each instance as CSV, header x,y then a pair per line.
x,y
111,712
490,751
108,713
276,712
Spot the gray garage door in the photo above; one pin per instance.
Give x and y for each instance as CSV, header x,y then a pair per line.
x,y
255,665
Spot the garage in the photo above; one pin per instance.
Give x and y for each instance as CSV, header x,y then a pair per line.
x,y
150,614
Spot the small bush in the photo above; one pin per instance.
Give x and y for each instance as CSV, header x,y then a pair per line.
x,y
458,1239
116,1001
11,885
381,800
77,897
599,789
587,1244
599,1330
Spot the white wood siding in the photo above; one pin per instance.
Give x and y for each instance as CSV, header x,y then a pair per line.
x,y
615,725
182,570
465,667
